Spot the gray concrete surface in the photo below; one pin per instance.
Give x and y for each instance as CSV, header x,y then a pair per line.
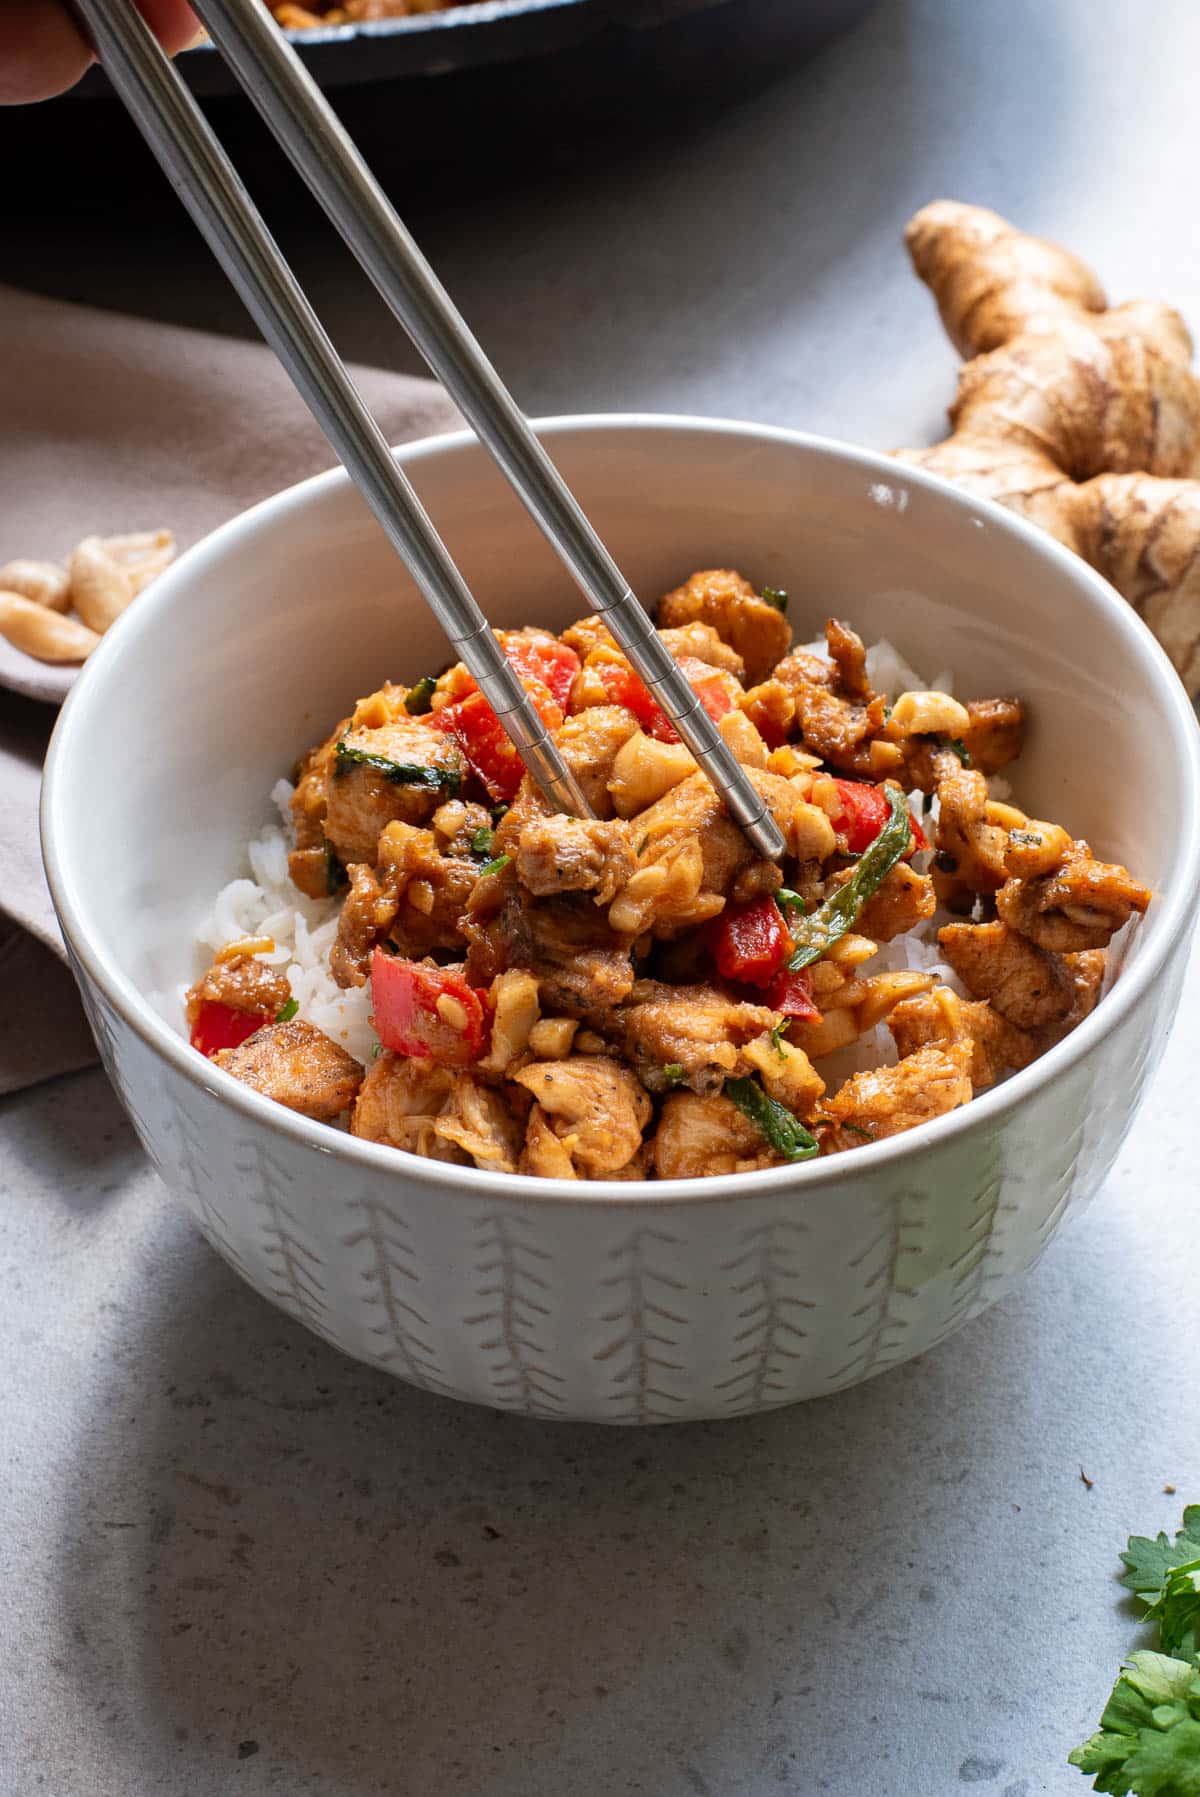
x,y
231,1561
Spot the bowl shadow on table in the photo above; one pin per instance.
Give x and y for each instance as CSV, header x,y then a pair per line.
x,y
288,1556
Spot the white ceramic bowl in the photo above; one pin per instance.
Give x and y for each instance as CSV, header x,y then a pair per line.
x,y
620,1303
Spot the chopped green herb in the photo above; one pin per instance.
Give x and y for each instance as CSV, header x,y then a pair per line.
x,y
887,712
482,840
400,773
673,1072
498,812
377,1051
856,1131
786,1135
288,1011
494,867
777,1035
816,935
1150,1561
960,749
775,596
641,847
787,900
419,696
1029,837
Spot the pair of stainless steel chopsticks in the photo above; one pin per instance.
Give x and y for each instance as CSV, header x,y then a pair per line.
x,y
324,155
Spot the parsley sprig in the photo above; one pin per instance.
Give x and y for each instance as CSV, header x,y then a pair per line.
x,y
1148,1742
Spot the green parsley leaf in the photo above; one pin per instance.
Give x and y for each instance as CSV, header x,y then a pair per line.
x,y
494,867
418,701
1151,1562
1177,1612
288,1011
784,1132
815,935
400,773
775,596
1148,1742
482,840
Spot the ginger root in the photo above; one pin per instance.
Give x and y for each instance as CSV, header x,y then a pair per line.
x,y
1083,418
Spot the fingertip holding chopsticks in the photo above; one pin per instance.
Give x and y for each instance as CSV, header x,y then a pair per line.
x,y
325,157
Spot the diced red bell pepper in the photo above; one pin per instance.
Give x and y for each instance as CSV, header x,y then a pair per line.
x,y
219,1026
624,687
750,942
864,812
792,993
483,741
404,1002
547,661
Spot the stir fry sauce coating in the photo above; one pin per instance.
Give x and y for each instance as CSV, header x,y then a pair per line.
x,y
638,995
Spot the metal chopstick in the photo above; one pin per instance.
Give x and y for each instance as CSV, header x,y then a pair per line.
x,y
207,183
327,159
309,131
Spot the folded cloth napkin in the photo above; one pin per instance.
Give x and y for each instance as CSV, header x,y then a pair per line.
x,y
112,424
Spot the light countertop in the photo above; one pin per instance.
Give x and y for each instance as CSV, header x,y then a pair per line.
x,y
232,1561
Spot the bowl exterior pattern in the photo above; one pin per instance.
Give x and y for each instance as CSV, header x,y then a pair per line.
x,y
643,1311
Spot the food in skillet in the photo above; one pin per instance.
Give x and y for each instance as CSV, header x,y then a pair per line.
x,y
472,977
294,17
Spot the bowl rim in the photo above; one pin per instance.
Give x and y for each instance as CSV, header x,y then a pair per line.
x,y
984,1112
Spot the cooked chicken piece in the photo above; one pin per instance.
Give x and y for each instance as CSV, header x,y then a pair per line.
x,y
699,1136
414,892
1087,976
367,914
595,1106
457,824
399,1102
544,1155
971,850
838,730
242,982
557,853
1022,982
582,968
588,634
1080,905
691,854
479,1121
589,743
754,627
701,642
695,1028
994,734
413,769
849,657
903,900
297,1065
888,1100
940,1018
308,862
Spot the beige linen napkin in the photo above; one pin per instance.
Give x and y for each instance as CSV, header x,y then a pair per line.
x,y
113,424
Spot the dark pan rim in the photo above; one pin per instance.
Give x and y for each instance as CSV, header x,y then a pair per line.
x,y
436,43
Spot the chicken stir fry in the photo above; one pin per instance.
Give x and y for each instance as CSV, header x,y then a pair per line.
x,y
637,995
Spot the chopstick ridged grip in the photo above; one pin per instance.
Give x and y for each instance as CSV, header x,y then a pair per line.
x,y
328,161
205,180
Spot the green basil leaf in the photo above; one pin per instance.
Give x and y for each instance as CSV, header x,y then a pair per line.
x,y
784,1132
815,935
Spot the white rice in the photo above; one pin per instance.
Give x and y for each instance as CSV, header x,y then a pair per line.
x,y
267,904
